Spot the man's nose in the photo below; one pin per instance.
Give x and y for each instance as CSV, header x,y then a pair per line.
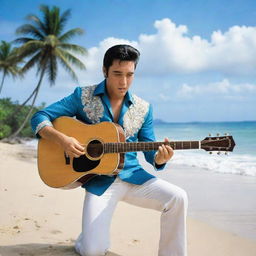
x,y
123,81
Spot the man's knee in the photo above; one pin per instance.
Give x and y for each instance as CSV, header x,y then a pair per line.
x,y
178,201
183,197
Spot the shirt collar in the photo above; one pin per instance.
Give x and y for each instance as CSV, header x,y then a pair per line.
x,y
101,90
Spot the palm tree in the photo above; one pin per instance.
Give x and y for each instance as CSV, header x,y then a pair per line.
x,y
8,61
45,44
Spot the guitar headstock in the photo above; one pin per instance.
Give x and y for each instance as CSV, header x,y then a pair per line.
x,y
218,143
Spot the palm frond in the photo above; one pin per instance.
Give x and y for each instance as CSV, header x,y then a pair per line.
x,y
70,58
42,63
54,20
30,48
32,62
15,71
5,50
51,69
35,43
46,18
22,40
38,23
70,34
28,29
64,62
14,57
74,48
63,20
9,59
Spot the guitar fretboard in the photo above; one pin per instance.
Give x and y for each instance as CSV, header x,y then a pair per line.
x,y
123,147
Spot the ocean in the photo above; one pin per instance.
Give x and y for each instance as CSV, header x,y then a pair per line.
x,y
242,161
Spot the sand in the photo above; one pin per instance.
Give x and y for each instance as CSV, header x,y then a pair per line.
x,y
38,220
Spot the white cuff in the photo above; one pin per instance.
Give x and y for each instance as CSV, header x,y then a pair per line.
x,y
42,125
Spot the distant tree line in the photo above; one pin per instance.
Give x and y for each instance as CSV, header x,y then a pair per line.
x,y
11,119
42,45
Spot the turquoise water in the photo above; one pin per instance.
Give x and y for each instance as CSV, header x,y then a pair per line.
x,y
241,161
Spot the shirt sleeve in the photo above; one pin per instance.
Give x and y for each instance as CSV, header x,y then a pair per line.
x,y
67,106
146,133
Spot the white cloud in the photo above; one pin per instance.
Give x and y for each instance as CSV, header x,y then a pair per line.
x,y
171,50
224,87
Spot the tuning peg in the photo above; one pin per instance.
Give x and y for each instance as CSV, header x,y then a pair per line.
x,y
226,153
209,135
210,152
218,134
218,153
226,134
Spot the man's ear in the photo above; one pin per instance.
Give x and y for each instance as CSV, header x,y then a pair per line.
x,y
104,72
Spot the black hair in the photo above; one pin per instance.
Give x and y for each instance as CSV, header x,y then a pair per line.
x,y
120,52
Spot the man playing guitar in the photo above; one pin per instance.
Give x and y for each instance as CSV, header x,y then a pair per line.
x,y
111,101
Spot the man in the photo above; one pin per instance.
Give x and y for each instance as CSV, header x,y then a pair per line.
x,y
111,101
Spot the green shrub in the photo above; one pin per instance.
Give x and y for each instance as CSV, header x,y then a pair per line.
x,y
11,117
5,130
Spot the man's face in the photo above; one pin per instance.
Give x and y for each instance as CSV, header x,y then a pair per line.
x,y
119,78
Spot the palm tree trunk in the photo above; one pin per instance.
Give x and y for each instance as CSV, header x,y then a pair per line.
x,y
20,107
25,102
2,83
16,133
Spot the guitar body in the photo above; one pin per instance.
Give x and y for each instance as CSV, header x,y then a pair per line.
x,y
57,170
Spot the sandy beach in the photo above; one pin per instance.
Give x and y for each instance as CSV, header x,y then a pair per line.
x,y
42,221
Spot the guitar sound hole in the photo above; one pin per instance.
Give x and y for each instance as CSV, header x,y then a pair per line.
x,y
83,164
94,149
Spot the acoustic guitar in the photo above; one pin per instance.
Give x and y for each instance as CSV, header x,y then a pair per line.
x,y
105,148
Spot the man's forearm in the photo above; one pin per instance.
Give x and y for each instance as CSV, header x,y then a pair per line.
x,y
50,133
70,145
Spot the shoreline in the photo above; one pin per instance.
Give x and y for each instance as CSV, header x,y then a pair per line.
x,y
34,218
225,201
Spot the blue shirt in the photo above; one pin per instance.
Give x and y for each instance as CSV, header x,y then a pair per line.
x,y
91,105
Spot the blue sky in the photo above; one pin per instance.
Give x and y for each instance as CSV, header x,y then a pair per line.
x,y
198,58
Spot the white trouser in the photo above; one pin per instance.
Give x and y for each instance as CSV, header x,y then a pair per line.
x,y
154,194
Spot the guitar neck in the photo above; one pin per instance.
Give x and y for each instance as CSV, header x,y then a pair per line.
x,y
123,147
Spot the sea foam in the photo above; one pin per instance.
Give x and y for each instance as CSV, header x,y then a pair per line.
x,y
232,163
